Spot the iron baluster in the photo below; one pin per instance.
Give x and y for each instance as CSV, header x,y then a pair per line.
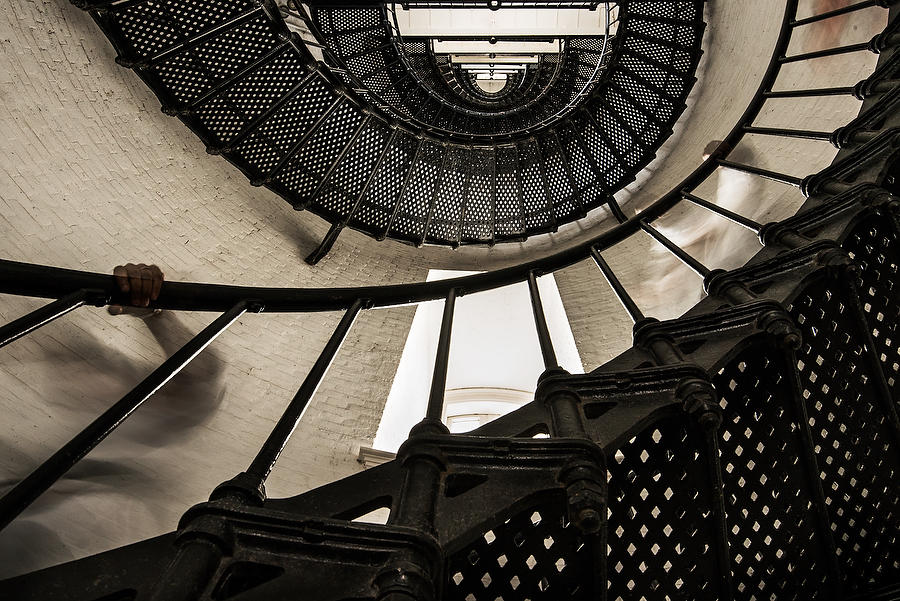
x,y
265,459
676,250
765,173
807,93
746,222
634,312
837,12
827,52
439,379
44,315
789,133
25,492
615,209
540,324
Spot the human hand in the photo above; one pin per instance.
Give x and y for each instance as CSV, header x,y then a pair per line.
x,y
141,282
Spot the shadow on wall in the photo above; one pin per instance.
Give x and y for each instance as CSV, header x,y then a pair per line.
x,y
102,486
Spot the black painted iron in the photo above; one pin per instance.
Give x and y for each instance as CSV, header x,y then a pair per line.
x,y
747,448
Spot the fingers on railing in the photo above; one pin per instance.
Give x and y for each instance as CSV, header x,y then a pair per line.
x,y
23,494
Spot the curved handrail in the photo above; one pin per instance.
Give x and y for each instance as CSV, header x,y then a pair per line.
x,y
52,282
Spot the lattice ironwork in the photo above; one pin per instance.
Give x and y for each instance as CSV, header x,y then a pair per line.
x,y
251,90
874,247
778,548
853,442
747,450
535,554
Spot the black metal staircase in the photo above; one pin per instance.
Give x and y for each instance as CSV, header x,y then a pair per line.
x,y
315,132
747,450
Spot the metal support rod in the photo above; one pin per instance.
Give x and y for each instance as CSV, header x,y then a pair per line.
x,y
615,209
362,193
540,324
230,81
445,157
807,93
326,244
542,172
772,175
827,52
25,492
601,560
730,215
439,379
44,315
576,199
836,12
634,312
268,454
605,138
116,5
517,177
676,250
885,398
789,133
493,195
465,200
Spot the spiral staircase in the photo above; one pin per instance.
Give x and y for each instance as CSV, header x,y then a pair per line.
x,y
746,450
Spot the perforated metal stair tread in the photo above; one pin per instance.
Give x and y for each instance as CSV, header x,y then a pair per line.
x,y
250,89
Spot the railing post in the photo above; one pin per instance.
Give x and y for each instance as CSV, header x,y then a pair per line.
x,y
44,315
634,312
250,484
540,323
25,492
435,408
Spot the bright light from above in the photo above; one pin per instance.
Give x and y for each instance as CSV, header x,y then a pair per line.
x,y
495,358
543,22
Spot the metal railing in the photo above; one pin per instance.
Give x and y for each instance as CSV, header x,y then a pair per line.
x,y
72,289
